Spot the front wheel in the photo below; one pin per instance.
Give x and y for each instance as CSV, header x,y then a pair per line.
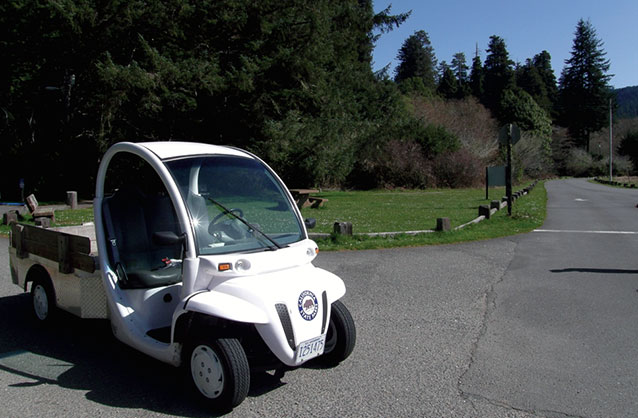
x,y
341,337
218,372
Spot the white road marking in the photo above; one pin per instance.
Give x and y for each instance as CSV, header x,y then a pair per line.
x,y
588,232
578,199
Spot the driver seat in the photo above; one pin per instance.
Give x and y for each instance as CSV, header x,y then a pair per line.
x,y
131,218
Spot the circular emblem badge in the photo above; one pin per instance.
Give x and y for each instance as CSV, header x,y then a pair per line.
x,y
308,305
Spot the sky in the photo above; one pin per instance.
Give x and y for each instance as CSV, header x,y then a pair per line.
x,y
527,26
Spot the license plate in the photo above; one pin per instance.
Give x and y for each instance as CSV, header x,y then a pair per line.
x,y
311,348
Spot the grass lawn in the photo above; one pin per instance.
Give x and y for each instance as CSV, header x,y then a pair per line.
x,y
619,179
62,218
391,211
417,210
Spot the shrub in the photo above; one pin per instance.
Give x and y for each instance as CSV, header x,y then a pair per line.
x,y
435,139
458,169
579,163
622,166
629,146
398,164
531,158
469,120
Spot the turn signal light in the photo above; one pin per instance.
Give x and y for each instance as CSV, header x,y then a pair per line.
x,y
224,267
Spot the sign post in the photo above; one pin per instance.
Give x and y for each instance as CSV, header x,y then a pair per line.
x,y
508,136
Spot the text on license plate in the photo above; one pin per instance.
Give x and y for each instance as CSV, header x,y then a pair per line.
x,y
311,348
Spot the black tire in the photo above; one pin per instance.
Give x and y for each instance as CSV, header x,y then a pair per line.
x,y
341,337
43,300
217,371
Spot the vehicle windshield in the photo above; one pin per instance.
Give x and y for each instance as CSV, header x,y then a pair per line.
x,y
235,204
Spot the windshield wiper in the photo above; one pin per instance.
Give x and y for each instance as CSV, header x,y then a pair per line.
x,y
250,227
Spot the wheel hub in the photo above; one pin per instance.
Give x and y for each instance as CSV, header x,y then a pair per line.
x,y
40,302
207,371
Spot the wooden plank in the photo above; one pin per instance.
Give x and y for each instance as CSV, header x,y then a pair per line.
x,y
50,238
71,251
64,255
17,237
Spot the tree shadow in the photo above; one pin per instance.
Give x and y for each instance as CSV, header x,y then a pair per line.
x,y
83,354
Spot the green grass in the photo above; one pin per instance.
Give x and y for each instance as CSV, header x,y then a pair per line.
x,y
62,218
405,211
620,179
392,211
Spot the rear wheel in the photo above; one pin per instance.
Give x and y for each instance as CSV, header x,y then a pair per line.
x,y
341,337
218,372
43,300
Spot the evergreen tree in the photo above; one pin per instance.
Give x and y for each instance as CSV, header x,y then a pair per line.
x,y
584,89
448,86
477,77
629,147
287,79
460,69
417,60
543,64
499,74
529,79
537,78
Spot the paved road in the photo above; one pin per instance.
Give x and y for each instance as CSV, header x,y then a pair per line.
x,y
479,329
561,335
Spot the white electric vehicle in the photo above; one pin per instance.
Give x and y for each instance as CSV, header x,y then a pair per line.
x,y
205,263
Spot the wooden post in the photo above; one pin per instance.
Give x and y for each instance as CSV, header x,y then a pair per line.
x,y
64,255
18,237
72,199
443,224
342,228
484,210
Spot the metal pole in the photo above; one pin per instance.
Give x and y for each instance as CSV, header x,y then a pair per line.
x,y
508,171
611,146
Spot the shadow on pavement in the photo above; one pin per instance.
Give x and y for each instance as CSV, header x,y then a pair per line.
x,y
83,354
594,270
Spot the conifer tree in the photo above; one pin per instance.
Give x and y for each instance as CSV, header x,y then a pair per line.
x,y
584,89
417,60
543,64
460,70
477,77
448,85
499,73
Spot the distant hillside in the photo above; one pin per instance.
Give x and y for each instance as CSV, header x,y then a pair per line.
x,y
627,99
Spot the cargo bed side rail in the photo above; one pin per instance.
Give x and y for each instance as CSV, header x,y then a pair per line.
x,y
70,251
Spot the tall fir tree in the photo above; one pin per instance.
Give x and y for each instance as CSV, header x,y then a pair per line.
x,y
460,70
448,86
543,64
499,74
417,61
477,76
584,85
529,79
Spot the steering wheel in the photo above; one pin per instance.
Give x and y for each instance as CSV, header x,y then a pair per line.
x,y
236,211
228,226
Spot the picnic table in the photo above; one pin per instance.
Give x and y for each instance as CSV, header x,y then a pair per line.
x,y
303,199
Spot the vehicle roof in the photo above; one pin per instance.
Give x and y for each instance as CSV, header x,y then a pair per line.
x,y
175,149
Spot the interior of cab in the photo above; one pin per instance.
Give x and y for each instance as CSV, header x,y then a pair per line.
x,y
136,210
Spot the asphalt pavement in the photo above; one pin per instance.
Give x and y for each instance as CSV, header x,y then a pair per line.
x,y
560,336
531,325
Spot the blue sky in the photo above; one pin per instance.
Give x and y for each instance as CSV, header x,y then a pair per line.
x,y
527,26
